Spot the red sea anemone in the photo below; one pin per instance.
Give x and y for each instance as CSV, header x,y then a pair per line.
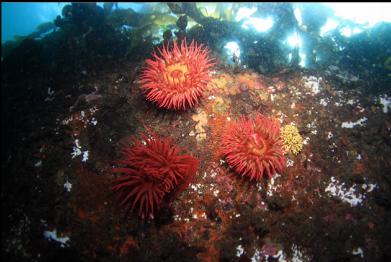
x,y
153,173
176,79
254,147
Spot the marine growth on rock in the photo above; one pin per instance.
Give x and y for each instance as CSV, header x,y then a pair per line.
x,y
293,142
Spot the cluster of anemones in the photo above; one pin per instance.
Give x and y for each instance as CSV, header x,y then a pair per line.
x,y
293,142
253,147
177,78
153,173
153,170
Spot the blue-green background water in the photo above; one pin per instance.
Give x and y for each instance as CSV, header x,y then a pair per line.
x,y
23,18
322,20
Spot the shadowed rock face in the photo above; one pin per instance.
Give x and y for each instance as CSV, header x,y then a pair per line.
x,y
332,198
